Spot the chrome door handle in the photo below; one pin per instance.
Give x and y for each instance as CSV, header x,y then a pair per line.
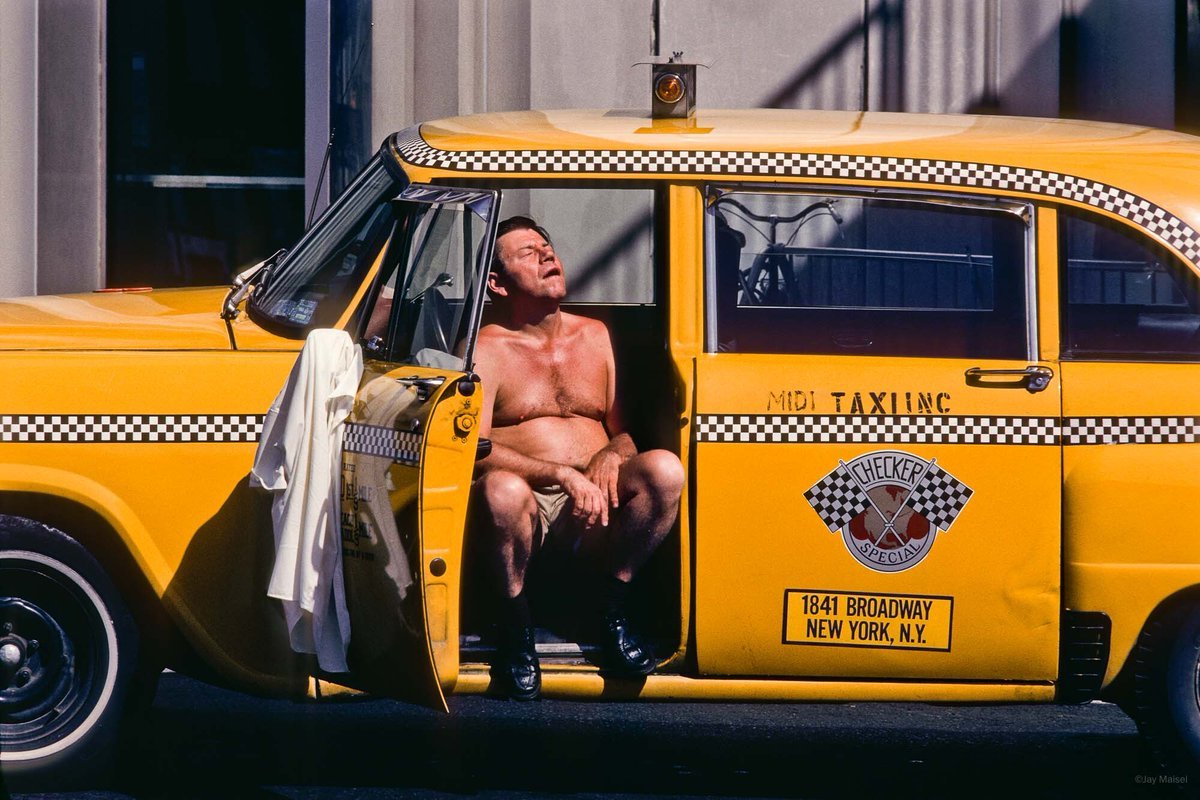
x,y
1032,379
423,385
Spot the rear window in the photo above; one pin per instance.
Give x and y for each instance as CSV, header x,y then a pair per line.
x,y
1124,296
841,274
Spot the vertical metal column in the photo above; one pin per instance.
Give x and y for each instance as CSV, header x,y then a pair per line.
x,y
72,137
18,147
316,100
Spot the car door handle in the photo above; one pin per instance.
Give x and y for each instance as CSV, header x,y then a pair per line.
x,y
423,385
1032,379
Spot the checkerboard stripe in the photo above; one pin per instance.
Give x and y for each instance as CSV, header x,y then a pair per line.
x,y
374,440
864,428
1131,430
404,446
1174,231
781,428
130,428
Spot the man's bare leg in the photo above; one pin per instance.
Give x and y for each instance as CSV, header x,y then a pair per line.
x,y
507,513
649,488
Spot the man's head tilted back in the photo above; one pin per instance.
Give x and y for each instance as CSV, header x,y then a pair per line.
x,y
524,263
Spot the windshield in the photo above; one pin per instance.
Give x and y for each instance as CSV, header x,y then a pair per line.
x,y
312,286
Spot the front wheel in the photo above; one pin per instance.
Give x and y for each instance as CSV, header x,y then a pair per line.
x,y
68,648
1166,687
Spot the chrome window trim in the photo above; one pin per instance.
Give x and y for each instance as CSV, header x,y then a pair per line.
x,y
1022,209
1033,350
710,271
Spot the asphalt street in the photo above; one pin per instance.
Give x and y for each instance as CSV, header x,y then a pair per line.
x,y
204,742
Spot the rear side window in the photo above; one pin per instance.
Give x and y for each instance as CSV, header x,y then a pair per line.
x,y
839,274
1124,296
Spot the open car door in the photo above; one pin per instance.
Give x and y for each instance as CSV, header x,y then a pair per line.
x,y
410,444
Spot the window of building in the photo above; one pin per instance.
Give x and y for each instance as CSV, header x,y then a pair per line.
x,y
1124,296
205,138
841,274
350,91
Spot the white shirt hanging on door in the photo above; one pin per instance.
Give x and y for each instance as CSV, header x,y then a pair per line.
x,y
299,461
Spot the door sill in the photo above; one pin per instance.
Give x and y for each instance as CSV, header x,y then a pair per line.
x,y
583,681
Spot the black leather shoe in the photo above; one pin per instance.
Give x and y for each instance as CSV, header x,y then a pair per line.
x,y
623,652
515,669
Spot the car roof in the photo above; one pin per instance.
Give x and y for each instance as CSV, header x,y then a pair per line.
x,y
1000,138
1132,171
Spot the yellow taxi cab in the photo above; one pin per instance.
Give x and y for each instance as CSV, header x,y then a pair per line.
x,y
933,379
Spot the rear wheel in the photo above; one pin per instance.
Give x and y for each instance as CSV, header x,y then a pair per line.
x,y
1166,689
68,648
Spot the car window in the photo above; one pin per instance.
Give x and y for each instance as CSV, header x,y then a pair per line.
x,y
840,274
1124,296
429,289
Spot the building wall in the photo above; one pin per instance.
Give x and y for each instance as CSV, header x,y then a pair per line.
x,y
941,56
1125,60
782,54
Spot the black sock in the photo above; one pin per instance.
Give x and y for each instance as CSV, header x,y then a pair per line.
x,y
613,596
514,613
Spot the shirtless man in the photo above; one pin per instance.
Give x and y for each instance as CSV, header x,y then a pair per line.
x,y
562,465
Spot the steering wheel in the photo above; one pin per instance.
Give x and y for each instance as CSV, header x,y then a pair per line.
x,y
433,316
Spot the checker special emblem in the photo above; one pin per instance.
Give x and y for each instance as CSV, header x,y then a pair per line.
x,y
889,506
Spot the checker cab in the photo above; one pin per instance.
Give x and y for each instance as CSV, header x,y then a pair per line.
x,y
933,380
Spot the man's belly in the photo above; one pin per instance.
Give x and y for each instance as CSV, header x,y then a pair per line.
x,y
561,440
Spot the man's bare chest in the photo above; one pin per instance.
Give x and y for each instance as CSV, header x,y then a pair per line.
x,y
551,387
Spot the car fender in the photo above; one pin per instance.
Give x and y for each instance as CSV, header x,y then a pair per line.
x,y
70,487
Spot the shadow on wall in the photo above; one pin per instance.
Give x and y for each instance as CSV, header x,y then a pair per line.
x,y
835,56
969,75
1093,59
617,247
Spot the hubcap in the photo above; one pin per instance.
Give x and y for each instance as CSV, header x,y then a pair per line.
x,y
34,655
1196,677
58,648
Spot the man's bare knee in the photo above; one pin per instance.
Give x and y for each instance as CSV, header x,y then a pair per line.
x,y
659,474
508,501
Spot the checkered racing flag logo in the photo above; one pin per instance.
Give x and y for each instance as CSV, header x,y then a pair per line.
x,y
939,498
888,506
837,499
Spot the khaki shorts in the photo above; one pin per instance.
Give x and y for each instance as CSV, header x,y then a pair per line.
x,y
556,522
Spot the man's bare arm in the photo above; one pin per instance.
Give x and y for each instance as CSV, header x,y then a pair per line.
x,y
535,471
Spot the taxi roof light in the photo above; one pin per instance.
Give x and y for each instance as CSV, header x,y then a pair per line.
x,y
672,87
